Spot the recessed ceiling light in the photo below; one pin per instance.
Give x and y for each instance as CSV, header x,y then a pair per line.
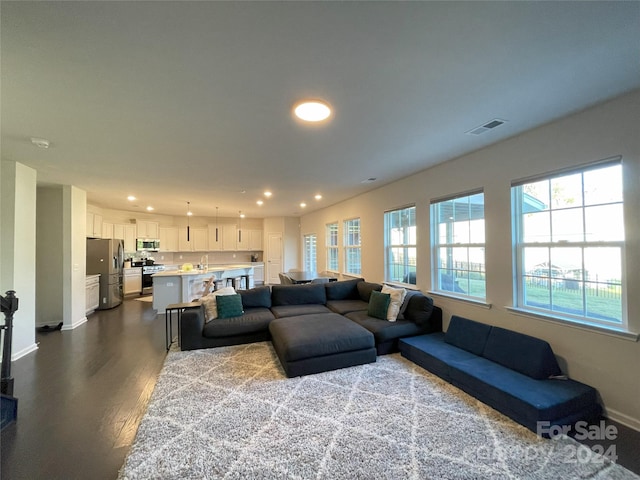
x,y
312,111
149,208
131,198
189,213
267,193
242,215
302,205
40,142
259,202
318,197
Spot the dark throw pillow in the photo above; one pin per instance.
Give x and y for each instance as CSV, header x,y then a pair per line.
x,y
229,306
378,305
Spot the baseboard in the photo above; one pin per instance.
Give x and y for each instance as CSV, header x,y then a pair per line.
x,y
25,351
75,325
625,420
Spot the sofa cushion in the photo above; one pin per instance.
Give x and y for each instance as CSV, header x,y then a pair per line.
x,y
346,306
365,289
525,354
378,305
298,294
280,311
343,290
467,334
256,297
210,302
253,320
418,308
229,306
384,330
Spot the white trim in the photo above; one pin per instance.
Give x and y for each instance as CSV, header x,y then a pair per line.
x,y
25,351
589,327
75,325
472,301
625,420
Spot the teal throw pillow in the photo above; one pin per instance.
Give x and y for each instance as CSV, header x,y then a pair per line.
x,y
378,305
229,306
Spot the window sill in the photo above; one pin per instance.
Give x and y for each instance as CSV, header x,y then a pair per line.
x,y
477,303
589,327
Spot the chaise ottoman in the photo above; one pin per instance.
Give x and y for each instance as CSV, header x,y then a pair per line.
x,y
307,344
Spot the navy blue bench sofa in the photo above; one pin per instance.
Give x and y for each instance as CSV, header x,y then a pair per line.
x,y
513,373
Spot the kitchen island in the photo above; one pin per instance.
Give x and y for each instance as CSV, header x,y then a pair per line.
x,y
176,286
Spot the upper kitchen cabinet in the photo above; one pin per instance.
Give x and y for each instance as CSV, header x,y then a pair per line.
x,y
94,225
255,240
198,240
229,237
107,230
126,232
168,239
147,229
250,240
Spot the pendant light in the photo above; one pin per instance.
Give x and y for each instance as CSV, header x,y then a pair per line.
x,y
188,214
216,224
240,227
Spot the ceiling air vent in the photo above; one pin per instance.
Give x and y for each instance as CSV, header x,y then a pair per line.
x,y
490,125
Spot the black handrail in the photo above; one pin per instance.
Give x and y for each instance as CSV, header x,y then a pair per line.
x,y
9,306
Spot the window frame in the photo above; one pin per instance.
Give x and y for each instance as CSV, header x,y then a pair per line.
x,y
349,247
332,251
310,264
436,245
388,247
520,274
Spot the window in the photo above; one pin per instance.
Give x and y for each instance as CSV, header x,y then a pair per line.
x,y
569,244
400,245
310,264
458,241
352,246
332,247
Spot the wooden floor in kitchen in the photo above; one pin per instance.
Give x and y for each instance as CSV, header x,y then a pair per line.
x,y
82,395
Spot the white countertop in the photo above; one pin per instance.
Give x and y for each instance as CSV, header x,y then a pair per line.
x,y
211,269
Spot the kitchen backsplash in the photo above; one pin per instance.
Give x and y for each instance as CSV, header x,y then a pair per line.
x,y
178,258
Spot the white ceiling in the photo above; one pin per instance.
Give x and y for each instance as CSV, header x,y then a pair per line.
x,y
191,101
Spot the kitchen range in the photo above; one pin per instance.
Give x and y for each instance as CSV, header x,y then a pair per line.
x,y
148,269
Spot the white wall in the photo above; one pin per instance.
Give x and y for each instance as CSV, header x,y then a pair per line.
x,y
605,362
74,256
49,245
18,253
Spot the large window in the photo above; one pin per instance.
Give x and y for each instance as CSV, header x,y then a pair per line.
x,y
352,264
310,252
569,244
400,245
332,247
458,239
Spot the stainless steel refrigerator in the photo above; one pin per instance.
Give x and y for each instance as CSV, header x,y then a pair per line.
x,y
106,257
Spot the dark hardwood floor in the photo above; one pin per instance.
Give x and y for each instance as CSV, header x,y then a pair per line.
x,y
82,395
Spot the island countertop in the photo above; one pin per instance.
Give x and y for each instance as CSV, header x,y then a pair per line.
x,y
211,269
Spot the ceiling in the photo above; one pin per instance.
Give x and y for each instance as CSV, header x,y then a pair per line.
x,y
178,102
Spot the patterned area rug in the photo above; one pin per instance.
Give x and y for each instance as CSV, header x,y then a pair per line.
x,y
231,413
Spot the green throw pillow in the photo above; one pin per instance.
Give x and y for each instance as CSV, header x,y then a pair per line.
x,y
378,305
229,306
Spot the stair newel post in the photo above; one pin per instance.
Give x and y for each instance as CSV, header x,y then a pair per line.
x,y
9,305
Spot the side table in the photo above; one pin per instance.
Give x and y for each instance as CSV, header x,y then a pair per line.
x,y
168,314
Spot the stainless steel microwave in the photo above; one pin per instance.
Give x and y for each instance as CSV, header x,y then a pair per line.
x,y
148,244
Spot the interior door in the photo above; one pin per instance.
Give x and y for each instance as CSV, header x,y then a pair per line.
x,y
274,258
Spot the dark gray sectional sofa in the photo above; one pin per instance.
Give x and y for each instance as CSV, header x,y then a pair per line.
x,y
347,298
516,374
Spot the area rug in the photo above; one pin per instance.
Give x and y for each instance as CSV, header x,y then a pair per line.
x,y
231,413
145,299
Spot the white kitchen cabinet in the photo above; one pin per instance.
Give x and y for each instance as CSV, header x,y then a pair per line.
x,y
132,280
107,230
94,225
146,229
258,274
92,293
198,240
255,240
215,244
229,238
168,237
126,232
